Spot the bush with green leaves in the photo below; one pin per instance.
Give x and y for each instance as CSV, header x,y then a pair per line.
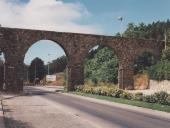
x,y
150,99
138,96
111,91
79,88
102,66
161,97
117,93
160,71
104,90
126,95
168,100
97,90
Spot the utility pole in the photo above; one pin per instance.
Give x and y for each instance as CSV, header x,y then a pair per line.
x,y
49,65
4,84
165,35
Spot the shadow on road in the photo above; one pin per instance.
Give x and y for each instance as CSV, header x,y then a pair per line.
x,y
11,123
29,93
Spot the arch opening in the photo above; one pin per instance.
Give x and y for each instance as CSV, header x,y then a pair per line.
x,y
142,65
45,63
101,66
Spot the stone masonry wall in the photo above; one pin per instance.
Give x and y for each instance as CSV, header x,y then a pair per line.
x,y
16,42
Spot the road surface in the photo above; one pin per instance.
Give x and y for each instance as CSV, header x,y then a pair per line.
x,y
101,115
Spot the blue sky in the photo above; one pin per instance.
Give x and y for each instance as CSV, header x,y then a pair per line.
x,y
85,16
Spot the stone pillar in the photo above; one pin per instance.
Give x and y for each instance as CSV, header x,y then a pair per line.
x,y
14,76
75,76
126,73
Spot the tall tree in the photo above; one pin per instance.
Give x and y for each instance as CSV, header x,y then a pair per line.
x,y
103,67
57,65
36,70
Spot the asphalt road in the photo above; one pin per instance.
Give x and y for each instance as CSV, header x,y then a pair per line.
x,y
101,115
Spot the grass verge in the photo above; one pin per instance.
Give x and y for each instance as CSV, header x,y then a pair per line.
x,y
153,106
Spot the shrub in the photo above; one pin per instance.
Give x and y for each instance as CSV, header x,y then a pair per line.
x,y
79,88
88,89
117,93
161,97
97,90
104,90
168,100
160,71
111,91
150,99
126,95
138,96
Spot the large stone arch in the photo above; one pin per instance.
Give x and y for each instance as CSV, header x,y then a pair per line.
x,y
15,43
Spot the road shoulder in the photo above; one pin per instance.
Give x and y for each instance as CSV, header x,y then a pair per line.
x,y
35,110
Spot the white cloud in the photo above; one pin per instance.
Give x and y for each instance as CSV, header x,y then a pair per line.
x,y
45,14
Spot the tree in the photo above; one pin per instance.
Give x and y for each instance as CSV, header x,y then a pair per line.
x,y
155,30
103,67
36,70
158,70
58,65
101,64
143,62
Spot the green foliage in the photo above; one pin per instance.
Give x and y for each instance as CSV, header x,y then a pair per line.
x,y
58,65
166,54
126,95
37,69
158,97
168,100
161,97
101,64
117,93
103,67
143,62
112,91
79,88
143,104
150,99
88,89
138,96
134,31
160,71
146,62
155,30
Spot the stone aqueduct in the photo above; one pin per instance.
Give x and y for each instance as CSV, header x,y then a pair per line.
x,y
14,43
